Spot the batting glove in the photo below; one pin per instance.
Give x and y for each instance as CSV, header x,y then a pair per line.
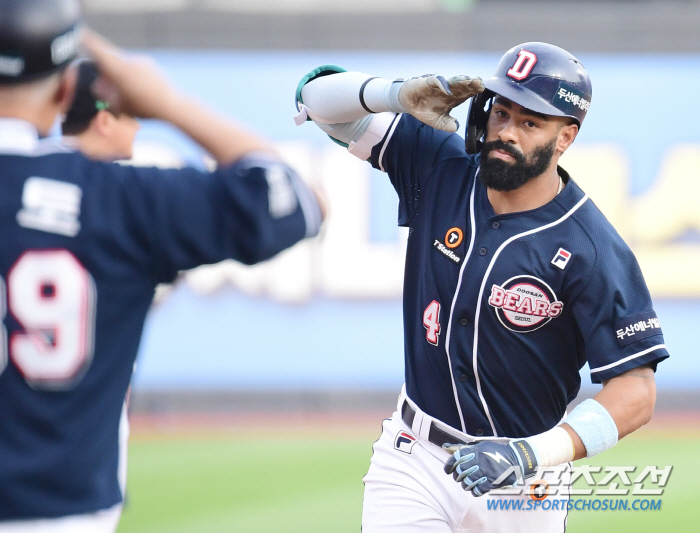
x,y
430,98
486,466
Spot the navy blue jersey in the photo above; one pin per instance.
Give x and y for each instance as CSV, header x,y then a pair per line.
x,y
502,311
84,245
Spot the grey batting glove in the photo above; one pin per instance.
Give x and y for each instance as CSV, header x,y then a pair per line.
x,y
430,98
485,466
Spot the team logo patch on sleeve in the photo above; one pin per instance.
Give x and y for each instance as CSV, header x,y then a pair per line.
x,y
405,442
635,328
524,303
561,258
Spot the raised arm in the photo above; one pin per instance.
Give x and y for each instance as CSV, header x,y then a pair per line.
x,y
355,109
146,93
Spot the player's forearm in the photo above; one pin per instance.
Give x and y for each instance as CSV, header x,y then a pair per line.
x,y
348,96
630,399
334,98
223,139
579,447
145,92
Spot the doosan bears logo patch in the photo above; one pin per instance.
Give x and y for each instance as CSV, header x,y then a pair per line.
x,y
524,303
404,442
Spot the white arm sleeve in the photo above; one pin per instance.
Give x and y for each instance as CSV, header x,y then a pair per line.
x,y
349,96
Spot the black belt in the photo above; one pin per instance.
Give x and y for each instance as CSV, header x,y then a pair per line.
x,y
436,435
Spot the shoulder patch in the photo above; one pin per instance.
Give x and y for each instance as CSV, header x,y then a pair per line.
x,y
635,328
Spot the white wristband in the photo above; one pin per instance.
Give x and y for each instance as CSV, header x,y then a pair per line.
x,y
552,447
592,422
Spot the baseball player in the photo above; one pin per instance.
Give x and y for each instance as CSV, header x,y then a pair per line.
x,y
513,281
84,245
94,123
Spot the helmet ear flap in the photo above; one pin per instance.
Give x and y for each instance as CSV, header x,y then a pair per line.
x,y
479,110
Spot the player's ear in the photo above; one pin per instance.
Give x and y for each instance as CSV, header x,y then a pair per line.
x,y
65,89
103,122
566,136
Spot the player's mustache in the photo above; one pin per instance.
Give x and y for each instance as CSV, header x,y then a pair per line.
x,y
500,145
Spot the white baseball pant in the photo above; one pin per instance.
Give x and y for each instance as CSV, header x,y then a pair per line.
x,y
407,490
104,521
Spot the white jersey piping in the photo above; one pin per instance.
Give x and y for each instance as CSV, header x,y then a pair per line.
x,y
481,293
628,358
388,138
454,301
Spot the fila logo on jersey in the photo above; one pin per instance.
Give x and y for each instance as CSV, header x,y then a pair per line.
x,y
405,442
524,303
561,258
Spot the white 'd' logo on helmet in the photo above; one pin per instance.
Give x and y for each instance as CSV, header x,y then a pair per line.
x,y
524,303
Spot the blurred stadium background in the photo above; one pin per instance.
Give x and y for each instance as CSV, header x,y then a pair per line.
x,y
259,391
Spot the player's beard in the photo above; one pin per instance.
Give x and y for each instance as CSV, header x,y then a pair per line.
x,y
502,175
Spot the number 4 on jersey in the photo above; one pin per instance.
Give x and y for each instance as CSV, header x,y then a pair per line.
x,y
431,322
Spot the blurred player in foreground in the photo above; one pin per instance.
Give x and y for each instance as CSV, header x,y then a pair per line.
x,y
94,123
514,280
84,245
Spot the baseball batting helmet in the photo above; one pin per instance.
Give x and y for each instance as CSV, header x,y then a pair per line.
x,y
37,37
539,76
86,104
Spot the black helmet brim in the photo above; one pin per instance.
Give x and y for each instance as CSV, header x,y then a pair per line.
x,y
524,97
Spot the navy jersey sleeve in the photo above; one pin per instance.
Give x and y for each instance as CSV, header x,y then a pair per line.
x,y
409,154
171,220
614,312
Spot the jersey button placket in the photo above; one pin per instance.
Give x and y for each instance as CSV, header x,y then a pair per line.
x,y
483,251
496,225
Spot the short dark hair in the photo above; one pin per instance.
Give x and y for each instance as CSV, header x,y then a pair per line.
x,y
85,103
